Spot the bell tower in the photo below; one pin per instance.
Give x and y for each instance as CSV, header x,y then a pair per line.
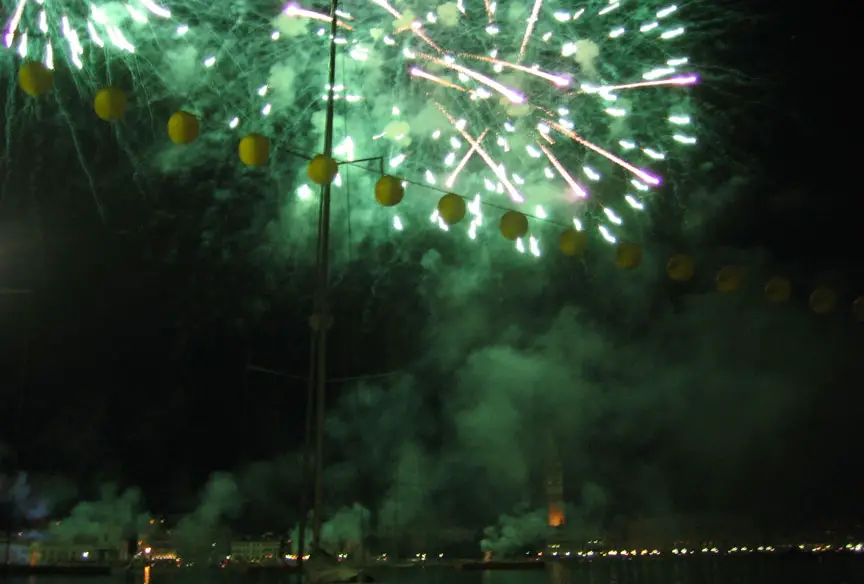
x,y
554,486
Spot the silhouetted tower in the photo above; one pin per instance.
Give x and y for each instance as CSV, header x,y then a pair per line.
x,y
554,486
556,543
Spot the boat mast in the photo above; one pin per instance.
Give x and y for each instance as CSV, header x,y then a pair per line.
x,y
322,318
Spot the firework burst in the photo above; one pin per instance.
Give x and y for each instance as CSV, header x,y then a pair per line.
x,y
43,29
119,48
570,114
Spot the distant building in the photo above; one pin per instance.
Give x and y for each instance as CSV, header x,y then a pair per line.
x,y
159,554
554,487
155,544
16,554
81,550
256,550
556,518
78,552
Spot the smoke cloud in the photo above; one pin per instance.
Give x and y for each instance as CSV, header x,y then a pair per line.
x,y
204,534
514,533
659,402
115,514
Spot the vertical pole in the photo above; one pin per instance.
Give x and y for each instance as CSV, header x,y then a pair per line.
x,y
306,461
322,319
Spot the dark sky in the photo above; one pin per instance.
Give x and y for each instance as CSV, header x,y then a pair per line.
x,y
134,356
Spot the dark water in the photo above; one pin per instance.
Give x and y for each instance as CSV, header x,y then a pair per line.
x,y
837,569
807,569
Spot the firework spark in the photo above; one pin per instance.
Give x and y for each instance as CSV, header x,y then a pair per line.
x,y
39,29
566,113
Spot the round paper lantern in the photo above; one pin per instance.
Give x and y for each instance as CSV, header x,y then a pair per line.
x,y
729,279
513,225
778,290
183,128
110,104
573,242
858,308
451,208
823,300
628,256
254,150
389,191
680,267
322,169
34,78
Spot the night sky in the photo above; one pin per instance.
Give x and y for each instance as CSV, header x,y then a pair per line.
x,y
166,341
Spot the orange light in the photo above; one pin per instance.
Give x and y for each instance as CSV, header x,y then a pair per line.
x,y
556,516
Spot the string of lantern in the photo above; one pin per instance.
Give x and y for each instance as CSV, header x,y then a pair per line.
x,y
184,128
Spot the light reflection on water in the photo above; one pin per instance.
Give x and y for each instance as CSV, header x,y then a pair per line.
x,y
841,569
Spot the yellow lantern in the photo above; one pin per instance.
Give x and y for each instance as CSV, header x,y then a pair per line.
x,y
254,150
110,104
573,242
322,169
451,208
513,225
858,308
778,290
183,128
389,191
823,300
729,279
680,267
34,78
628,256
